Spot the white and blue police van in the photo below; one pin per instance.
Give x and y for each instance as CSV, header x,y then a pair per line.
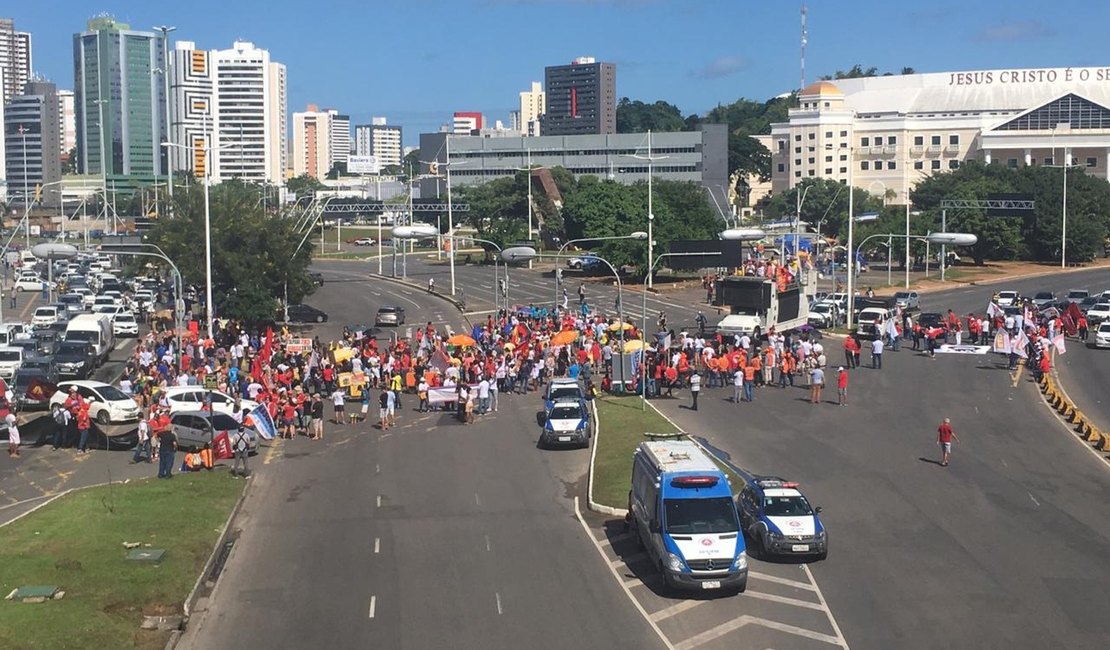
x,y
682,511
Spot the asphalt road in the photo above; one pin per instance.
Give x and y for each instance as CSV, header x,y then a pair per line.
x,y
429,535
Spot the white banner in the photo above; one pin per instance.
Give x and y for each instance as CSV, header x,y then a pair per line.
x,y
363,165
964,349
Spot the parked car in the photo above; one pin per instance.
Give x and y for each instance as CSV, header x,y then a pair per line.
x,y
1044,299
193,398
195,429
75,359
125,325
364,241
1102,336
870,320
567,423
1099,313
1076,295
584,263
29,284
1007,298
107,404
778,520
1090,301
42,376
907,300
825,315
306,314
390,315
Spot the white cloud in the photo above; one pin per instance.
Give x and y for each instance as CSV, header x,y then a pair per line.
x,y
723,66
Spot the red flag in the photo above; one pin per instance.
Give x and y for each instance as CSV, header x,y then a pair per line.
x,y
268,346
222,446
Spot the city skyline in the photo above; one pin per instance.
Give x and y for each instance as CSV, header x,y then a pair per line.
x,y
661,49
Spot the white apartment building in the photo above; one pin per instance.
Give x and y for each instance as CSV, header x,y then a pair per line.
x,y
380,140
533,104
339,148
311,142
893,131
15,59
67,118
235,99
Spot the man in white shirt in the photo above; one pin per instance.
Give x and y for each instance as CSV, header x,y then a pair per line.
x,y
483,396
695,388
877,353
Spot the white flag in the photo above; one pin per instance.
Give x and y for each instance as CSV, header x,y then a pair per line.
x,y
1058,341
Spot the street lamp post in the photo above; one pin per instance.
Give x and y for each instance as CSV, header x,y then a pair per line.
x,y
165,29
638,235
651,214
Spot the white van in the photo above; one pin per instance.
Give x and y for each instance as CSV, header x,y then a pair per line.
x,y
681,508
11,358
95,329
12,331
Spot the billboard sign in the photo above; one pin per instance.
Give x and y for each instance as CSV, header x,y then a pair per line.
x,y
363,165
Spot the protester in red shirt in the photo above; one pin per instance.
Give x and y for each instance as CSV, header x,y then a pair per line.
x,y
945,436
842,385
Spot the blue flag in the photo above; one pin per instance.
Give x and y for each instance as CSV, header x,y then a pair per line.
x,y
263,423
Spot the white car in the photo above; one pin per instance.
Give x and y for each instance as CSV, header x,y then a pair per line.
x,y
192,398
1100,313
108,301
364,241
1007,298
27,284
1102,336
45,316
107,404
124,324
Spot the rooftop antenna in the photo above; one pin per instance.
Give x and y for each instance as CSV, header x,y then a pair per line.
x,y
803,59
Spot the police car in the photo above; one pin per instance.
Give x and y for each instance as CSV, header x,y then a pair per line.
x,y
778,519
560,389
567,423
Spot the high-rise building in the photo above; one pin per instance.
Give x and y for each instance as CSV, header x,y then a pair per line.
x,y
3,172
533,104
250,104
380,140
67,123
234,97
15,59
33,156
466,122
581,98
116,88
312,142
339,147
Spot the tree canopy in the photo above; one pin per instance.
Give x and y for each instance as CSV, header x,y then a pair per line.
x,y
638,117
858,71
253,259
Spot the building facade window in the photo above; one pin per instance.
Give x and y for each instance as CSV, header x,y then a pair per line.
x,y
953,164
798,138
864,165
878,140
919,164
812,160
878,165
829,159
797,150
844,134
865,142
954,140
812,136
797,174
797,162
1048,161
828,171
890,164
843,170
828,134
892,139
918,140
812,172
782,168
1092,162
1012,163
935,164
782,145
935,140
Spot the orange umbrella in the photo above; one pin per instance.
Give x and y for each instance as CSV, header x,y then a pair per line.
x,y
564,337
461,340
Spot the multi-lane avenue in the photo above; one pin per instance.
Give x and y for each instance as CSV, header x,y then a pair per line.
x,y
436,534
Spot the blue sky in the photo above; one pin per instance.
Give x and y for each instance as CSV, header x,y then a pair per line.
x,y
417,61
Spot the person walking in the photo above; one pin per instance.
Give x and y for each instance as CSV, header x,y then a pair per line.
x,y
695,388
431,285
749,383
167,447
737,385
84,423
383,409
816,383
945,437
339,401
240,445
877,354
13,435
842,386
142,448
317,412
61,425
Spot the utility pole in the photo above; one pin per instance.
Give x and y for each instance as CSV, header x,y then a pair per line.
x,y
169,119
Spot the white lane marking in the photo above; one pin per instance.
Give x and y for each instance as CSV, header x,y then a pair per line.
x,y
498,597
1004,462
379,500
377,469
1035,502
373,605
828,612
377,545
376,293
487,544
810,586
741,621
783,599
477,501
627,591
677,608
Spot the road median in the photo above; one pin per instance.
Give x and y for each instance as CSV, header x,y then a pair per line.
x,y
77,544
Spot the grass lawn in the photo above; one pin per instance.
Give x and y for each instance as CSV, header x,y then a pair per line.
x,y
623,425
76,543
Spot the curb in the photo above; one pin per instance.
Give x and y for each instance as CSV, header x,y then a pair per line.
x,y
590,503
1069,415
190,600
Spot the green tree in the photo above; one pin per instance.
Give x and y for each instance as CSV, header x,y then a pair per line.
x,y
858,71
745,118
255,258
303,184
638,117
825,204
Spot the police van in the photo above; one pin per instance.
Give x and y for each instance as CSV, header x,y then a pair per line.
x,y
681,509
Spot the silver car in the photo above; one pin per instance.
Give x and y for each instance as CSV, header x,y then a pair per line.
x,y
195,429
390,315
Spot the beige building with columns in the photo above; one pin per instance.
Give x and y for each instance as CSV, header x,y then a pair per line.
x,y
893,131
